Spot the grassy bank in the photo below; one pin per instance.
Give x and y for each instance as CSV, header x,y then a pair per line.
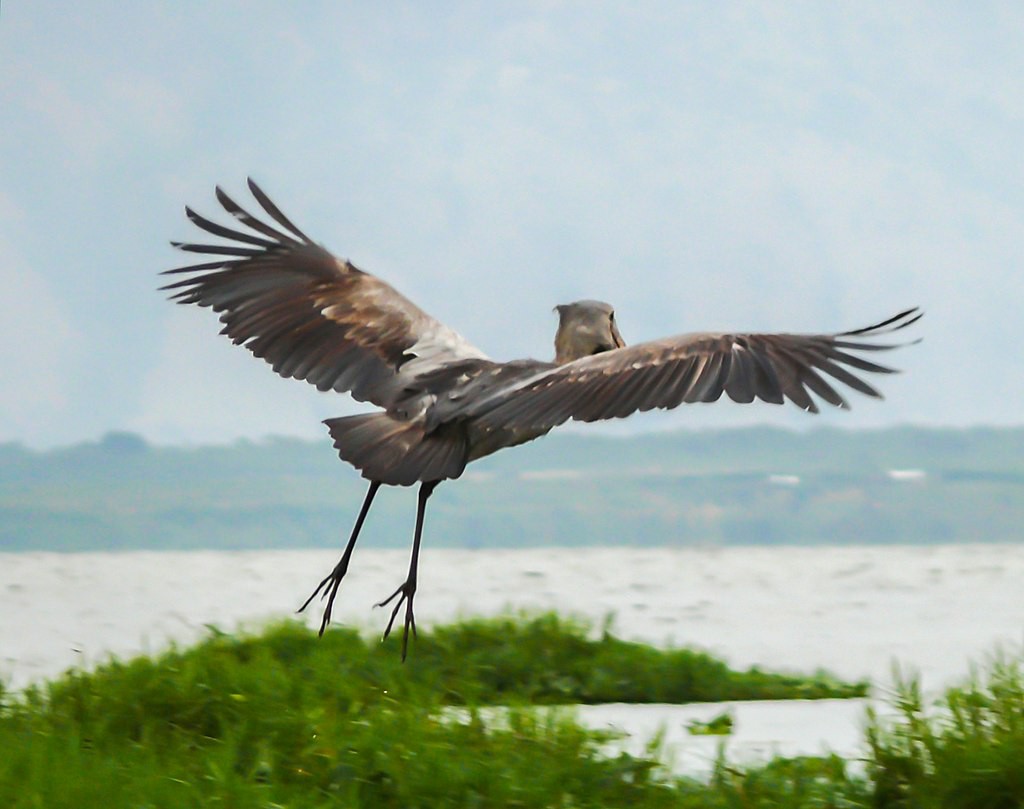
x,y
552,660
284,720
539,659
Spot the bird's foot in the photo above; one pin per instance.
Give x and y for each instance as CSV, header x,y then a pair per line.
x,y
407,590
329,587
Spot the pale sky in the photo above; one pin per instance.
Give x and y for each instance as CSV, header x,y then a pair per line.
x,y
772,167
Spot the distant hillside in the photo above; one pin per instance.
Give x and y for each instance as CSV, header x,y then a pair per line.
x,y
752,486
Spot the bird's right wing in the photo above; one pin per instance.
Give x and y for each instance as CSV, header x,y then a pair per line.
x,y
309,314
693,368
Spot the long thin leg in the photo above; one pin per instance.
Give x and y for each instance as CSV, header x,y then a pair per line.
x,y
408,588
331,582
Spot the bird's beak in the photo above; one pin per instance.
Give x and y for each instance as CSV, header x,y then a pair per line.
x,y
619,342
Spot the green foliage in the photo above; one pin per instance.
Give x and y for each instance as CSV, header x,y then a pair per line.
x,y
542,659
549,660
285,720
968,754
720,725
803,782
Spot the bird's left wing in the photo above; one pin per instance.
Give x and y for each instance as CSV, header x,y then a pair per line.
x,y
311,315
693,368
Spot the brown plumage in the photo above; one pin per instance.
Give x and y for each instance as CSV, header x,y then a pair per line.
x,y
444,403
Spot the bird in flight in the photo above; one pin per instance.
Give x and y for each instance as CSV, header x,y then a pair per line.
x,y
443,402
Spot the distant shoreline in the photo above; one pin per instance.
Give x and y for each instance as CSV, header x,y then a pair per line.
x,y
721,488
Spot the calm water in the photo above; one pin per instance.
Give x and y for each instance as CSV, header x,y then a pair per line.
x,y
853,611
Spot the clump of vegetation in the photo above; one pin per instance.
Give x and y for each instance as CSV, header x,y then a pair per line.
x,y
551,660
801,782
282,719
719,725
968,752
543,659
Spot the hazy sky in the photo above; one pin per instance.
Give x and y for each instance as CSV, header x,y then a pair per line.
x,y
792,167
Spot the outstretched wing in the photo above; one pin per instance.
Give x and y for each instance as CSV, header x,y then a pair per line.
x,y
694,368
309,314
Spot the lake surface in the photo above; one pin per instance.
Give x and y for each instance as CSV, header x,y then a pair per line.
x,y
852,611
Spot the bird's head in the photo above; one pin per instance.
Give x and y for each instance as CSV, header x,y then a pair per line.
x,y
585,328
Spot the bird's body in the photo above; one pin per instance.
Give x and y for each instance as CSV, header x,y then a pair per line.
x,y
443,402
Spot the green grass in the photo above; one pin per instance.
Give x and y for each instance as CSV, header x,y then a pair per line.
x,y
285,720
967,752
552,660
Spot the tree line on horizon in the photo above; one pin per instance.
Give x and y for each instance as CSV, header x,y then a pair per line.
x,y
755,485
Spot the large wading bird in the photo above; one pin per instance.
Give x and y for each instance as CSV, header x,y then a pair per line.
x,y
444,403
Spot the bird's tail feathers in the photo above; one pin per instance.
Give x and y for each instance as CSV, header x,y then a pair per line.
x,y
397,452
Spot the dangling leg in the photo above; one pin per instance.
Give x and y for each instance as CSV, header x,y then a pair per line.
x,y
331,583
408,589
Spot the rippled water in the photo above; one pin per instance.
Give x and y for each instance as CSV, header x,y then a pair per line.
x,y
853,611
